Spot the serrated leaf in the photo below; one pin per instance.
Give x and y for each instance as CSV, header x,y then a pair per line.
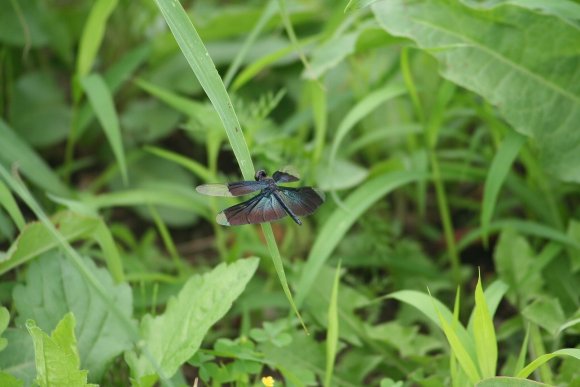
x,y
57,358
176,335
504,54
100,337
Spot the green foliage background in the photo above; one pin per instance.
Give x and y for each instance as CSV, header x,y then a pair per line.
x,y
444,132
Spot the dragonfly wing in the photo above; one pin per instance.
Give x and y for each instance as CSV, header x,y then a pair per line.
x,y
301,201
259,209
284,177
231,189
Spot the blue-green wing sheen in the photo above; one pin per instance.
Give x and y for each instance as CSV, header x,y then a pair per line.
x,y
301,201
260,209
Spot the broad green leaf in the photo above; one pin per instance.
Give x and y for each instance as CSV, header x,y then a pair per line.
x,y
7,201
545,312
57,358
500,166
104,107
565,9
36,239
100,337
15,152
17,359
350,175
504,381
403,337
341,220
4,320
93,33
514,261
484,334
7,380
332,332
504,54
357,4
39,112
527,370
174,336
298,362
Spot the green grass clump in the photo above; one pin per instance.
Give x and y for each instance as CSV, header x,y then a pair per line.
x,y
444,133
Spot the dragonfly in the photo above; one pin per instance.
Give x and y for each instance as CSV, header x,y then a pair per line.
x,y
272,203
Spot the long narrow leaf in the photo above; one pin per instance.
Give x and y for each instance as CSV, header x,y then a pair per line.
x,y
484,334
15,152
7,201
332,330
498,171
93,33
526,371
202,65
104,107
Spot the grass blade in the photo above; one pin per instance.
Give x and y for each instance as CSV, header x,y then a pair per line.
x,y
7,201
14,151
498,171
457,346
267,14
202,65
93,33
527,370
484,334
104,107
332,331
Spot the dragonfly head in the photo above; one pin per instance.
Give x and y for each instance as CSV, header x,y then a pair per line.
x,y
260,175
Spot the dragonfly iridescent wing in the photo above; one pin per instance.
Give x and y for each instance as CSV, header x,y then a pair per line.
x,y
284,177
301,201
238,188
259,209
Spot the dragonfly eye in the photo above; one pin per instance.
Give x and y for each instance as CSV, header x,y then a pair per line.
x,y
260,175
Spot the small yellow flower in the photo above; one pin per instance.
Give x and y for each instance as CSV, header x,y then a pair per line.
x,y
268,381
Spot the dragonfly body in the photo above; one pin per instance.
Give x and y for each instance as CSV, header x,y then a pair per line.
x,y
272,203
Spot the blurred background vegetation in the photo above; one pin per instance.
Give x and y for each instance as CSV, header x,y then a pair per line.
x,y
428,179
